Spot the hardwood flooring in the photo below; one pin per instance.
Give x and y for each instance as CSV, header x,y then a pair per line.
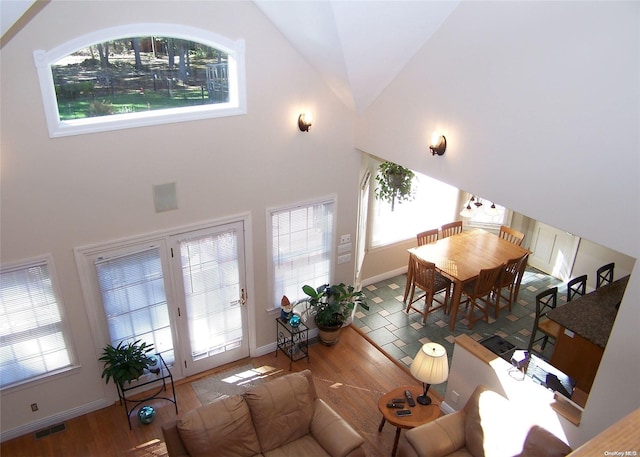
x,y
349,376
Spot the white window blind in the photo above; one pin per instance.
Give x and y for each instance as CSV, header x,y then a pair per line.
x,y
134,300
435,204
212,292
301,248
34,340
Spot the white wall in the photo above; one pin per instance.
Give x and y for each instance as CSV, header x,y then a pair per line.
x,y
67,192
539,102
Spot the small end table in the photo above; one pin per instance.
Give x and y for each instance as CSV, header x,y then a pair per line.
x,y
420,414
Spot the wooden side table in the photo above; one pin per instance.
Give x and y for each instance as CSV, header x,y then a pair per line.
x,y
420,414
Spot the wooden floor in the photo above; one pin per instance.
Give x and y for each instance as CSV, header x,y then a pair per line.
x,y
350,376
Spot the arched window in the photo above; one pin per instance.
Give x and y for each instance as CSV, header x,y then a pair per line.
x,y
138,75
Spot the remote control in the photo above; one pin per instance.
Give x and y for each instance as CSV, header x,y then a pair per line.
x,y
410,399
395,405
398,400
403,412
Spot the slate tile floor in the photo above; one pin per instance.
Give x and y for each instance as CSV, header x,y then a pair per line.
x,y
401,335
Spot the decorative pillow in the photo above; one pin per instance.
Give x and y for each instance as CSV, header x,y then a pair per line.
x,y
220,428
282,409
542,443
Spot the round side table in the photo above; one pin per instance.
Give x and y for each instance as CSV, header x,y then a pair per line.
x,y
420,414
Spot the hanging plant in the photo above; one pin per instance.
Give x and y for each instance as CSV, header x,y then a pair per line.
x,y
394,183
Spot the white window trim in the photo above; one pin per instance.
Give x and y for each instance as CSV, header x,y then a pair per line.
x,y
269,212
237,104
37,380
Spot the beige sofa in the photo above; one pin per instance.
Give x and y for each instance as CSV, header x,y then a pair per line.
x,y
488,425
282,417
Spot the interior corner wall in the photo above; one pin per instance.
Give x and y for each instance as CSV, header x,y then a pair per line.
x,y
540,104
58,194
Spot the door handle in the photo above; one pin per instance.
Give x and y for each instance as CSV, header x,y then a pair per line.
x,y
243,296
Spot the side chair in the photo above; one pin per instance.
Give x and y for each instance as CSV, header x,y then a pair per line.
x,y
477,294
509,282
432,283
511,235
576,286
604,275
452,228
428,236
545,301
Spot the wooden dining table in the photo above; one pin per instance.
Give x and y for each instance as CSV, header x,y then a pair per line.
x,y
461,257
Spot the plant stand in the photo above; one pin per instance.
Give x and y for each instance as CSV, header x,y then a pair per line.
x,y
293,341
163,375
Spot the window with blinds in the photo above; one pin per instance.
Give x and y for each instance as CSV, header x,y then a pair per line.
x,y
134,300
34,338
301,245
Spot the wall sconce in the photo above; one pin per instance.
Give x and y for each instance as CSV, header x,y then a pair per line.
x,y
304,122
438,144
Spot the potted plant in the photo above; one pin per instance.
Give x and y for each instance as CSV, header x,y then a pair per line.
x,y
126,362
394,183
331,306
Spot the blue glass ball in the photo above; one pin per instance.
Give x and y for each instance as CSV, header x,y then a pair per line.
x,y
294,321
146,414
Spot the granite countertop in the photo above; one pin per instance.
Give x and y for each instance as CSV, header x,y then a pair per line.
x,y
592,315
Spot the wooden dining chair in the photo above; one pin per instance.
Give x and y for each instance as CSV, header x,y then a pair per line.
x,y
545,302
477,294
576,286
451,228
511,235
428,236
506,283
432,283
604,275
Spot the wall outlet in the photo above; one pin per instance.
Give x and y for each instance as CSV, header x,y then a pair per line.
x,y
345,238
344,258
455,396
342,248
34,407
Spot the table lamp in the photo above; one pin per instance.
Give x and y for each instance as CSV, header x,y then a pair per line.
x,y
430,366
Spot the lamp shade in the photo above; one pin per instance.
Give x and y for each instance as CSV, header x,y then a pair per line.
x,y
430,365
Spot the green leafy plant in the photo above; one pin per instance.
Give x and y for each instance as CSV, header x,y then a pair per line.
x,y
395,183
331,305
126,361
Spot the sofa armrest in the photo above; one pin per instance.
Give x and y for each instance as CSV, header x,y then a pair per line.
x,y
441,437
333,433
175,446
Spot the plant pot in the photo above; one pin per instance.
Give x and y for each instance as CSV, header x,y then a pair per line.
x,y
329,335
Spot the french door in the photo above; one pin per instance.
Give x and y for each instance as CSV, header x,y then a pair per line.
x,y
211,296
183,292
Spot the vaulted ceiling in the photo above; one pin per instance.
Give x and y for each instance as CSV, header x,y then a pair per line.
x,y
358,47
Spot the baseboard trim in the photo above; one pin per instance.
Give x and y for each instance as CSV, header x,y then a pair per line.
x,y
445,408
39,424
381,277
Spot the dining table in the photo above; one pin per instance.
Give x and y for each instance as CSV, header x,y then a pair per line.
x,y
460,258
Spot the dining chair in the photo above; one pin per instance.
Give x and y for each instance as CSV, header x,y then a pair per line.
x,y
511,235
452,228
507,281
576,286
545,302
432,283
428,236
604,275
477,294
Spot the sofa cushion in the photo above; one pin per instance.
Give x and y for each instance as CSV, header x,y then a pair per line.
x,y
542,443
306,446
282,409
220,428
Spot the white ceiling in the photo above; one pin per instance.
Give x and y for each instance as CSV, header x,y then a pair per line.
x,y
358,47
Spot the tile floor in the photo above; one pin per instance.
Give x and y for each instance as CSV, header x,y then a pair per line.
x,y
401,335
